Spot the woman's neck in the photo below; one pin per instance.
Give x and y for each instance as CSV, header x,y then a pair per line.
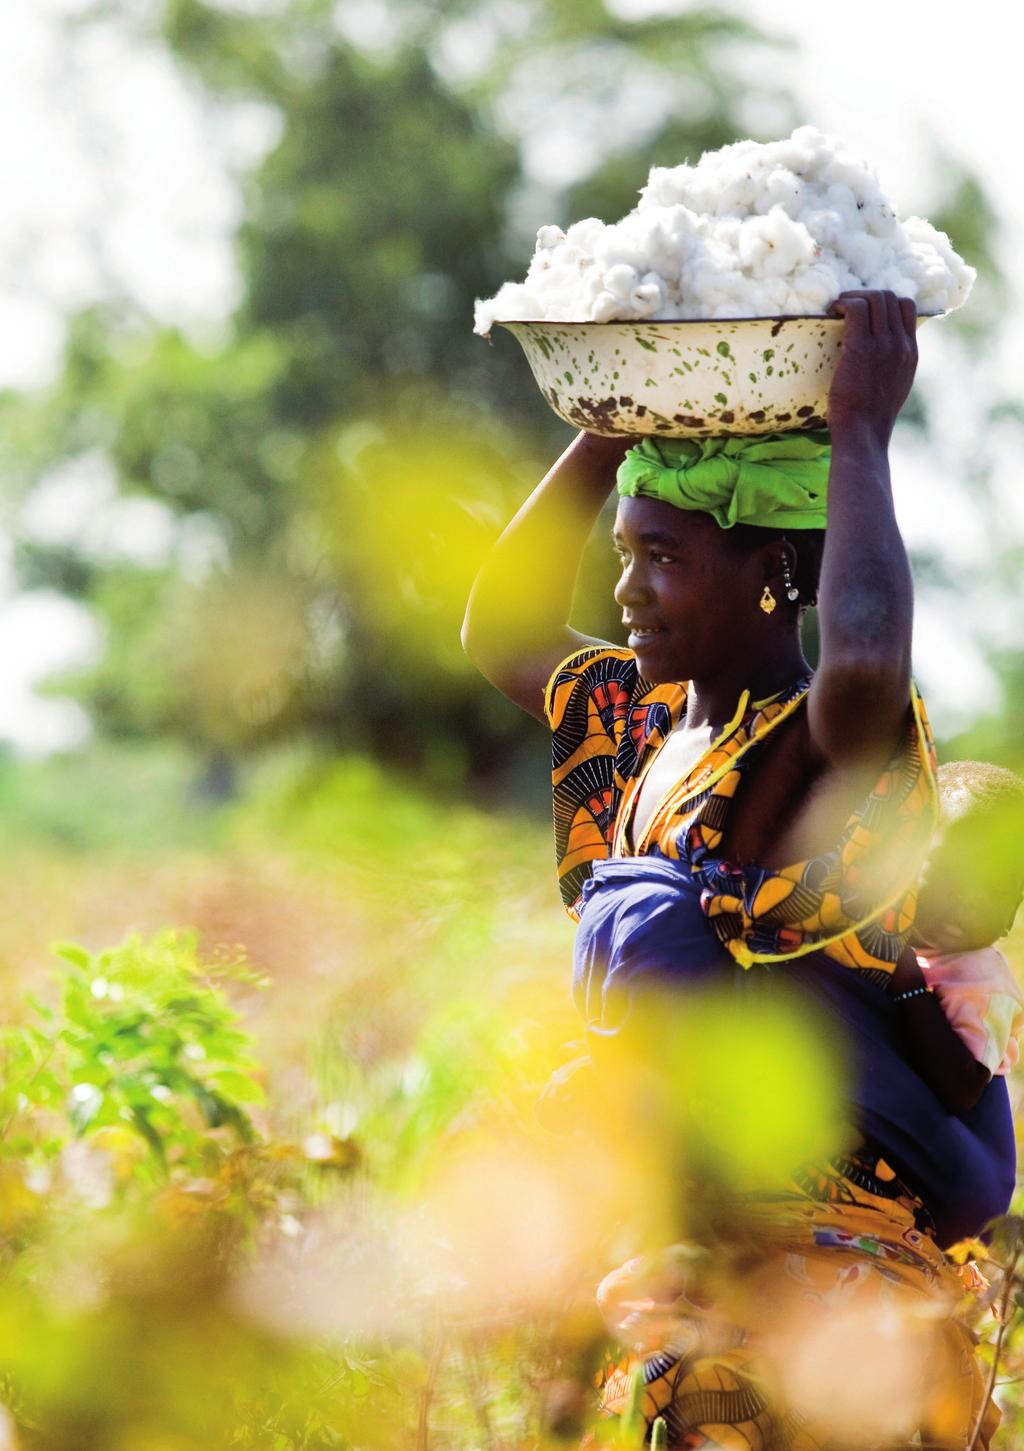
x,y
713,701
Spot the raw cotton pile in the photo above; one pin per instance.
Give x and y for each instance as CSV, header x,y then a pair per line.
x,y
751,231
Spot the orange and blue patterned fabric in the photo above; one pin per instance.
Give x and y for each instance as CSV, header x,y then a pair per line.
x,y
848,1239
855,902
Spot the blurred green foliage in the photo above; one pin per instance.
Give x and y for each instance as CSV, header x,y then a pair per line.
x,y
339,1238
350,444
347,448
140,1041
134,1189
174,1214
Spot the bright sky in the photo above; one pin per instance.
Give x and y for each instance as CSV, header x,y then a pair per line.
x,y
117,176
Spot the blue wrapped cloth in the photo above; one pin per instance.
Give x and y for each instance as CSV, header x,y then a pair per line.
x,y
641,924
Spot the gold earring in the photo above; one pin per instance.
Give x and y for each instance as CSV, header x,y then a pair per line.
x,y
767,601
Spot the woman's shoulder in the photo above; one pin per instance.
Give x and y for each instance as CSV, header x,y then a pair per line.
x,y
612,667
606,678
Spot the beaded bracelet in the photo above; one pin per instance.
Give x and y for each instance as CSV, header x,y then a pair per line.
x,y
913,992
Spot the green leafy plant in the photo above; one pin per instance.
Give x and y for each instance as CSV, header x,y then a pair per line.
x,y
143,1045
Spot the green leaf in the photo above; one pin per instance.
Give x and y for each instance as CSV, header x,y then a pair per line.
x,y
72,953
213,1108
633,1428
140,1119
38,1006
238,1086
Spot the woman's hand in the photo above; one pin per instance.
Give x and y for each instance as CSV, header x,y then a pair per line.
x,y
877,363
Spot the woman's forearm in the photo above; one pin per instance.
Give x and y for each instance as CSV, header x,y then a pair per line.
x,y
865,602
521,597
857,706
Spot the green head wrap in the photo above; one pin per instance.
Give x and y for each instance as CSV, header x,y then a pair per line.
x,y
778,480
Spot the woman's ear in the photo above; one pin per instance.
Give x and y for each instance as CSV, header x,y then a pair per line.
x,y
778,560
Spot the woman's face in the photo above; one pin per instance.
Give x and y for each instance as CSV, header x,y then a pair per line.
x,y
688,598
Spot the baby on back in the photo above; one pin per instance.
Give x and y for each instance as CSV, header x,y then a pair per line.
x,y
970,891
962,1010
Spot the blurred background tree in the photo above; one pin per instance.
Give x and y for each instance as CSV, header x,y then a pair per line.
x,y
333,466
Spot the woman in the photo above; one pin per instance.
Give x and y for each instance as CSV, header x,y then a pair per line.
x,y
710,790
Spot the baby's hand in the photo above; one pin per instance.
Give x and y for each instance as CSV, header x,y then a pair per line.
x,y
568,1101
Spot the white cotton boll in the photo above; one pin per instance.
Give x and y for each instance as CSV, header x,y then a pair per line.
x,y
648,299
620,280
512,302
893,279
825,225
590,288
666,264
667,186
725,238
754,245
866,257
548,271
750,230
618,247
549,237
784,297
817,288
925,237
945,279
606,307
734,196
583,235
845,169
729,163
672,239
706,288
960,284
774,245
784,189
843,202
846,280
880,219
799,152
794,304
921,233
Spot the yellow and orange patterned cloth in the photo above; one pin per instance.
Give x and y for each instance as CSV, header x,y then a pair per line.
x,y
856,902
830,1317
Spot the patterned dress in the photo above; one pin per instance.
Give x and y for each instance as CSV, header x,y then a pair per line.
x,y
856,902
843,1264
846,1235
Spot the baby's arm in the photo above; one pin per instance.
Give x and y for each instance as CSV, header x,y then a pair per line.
x,y
936,1050
569,1102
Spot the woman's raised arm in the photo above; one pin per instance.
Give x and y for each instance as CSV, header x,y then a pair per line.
x,y
857,704
516,627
